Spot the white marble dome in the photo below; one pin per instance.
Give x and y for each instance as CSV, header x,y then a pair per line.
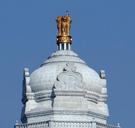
x,y
44,77
64,88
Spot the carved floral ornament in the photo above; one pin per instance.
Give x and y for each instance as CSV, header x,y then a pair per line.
x,y
69,79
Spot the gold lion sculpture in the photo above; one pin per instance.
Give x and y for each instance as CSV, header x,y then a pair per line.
x,y
63,25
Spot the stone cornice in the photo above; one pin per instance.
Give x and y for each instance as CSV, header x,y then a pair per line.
x,y
64,112
92,96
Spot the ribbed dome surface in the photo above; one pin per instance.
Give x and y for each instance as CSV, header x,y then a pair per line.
x,y
44,77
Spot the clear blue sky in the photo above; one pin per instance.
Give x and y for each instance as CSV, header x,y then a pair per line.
x,y
103,35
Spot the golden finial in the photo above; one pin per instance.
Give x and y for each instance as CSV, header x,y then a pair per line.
x,y
64,25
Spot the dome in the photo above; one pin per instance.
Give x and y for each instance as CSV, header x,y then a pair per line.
x,y
64,87
46,76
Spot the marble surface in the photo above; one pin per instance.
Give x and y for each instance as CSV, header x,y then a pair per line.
x,y
64,88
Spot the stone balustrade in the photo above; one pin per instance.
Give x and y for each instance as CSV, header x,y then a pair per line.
x,y
65,124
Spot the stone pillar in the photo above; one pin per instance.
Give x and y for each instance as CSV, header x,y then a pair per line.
x,y
93,125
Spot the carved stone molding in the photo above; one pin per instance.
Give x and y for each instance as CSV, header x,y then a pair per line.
x,y
69,79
